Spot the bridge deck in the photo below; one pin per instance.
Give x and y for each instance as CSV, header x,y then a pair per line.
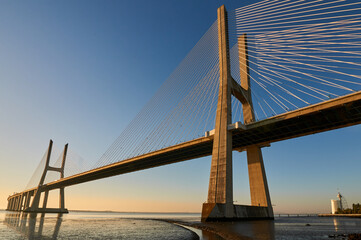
x,y
336,113
332,114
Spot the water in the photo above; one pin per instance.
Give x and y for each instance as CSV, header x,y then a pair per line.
x,y
90,225
104,225
290,228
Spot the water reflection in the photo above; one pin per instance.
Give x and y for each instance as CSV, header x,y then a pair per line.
x,y
210,236
346,224
258,229
31,225
336,223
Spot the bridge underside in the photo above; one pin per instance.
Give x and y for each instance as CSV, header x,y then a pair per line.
x,y
336,113
333,114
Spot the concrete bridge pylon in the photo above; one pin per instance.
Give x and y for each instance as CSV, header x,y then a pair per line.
x,y
29,201
34,206
219,205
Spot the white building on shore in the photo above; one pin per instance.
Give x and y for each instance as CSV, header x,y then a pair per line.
x,y
336,204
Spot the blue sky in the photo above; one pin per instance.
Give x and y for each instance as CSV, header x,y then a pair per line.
x,y
79,71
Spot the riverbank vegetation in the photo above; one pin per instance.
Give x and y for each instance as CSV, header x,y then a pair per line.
x,y
356,209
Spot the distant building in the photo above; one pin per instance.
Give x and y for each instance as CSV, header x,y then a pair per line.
x,y
335,205
356,208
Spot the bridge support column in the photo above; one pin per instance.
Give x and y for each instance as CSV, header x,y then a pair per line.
x,y
12,204
257,175
21,202
220,192
13,201
18,207
61,190
27,200
11,208
219,205
257,180
8,206
45,200
17,203
61,199
34,206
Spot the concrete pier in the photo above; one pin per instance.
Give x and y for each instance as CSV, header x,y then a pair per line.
x,y
220,182
29,201
219,205
256,172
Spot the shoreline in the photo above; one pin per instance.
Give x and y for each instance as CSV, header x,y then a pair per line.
x,y
203,227
195,236
221,234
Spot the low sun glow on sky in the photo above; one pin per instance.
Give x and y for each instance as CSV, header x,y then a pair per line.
x,y
78,72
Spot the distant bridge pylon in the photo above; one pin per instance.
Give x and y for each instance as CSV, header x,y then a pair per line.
x,y
29,200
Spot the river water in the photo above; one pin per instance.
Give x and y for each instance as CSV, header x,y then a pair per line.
x,y
105,225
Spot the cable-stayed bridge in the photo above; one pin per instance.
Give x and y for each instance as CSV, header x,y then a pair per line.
x,y
266,72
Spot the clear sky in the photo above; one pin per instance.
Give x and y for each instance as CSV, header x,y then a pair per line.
x,y
78,72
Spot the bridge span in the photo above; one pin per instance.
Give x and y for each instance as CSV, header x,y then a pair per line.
x,y
332,114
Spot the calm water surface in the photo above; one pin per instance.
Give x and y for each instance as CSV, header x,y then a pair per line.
x,y
90,225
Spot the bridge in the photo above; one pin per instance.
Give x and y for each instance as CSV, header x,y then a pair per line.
x,y
282,52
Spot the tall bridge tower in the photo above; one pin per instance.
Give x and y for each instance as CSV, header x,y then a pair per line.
x,y
29,200
219,205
